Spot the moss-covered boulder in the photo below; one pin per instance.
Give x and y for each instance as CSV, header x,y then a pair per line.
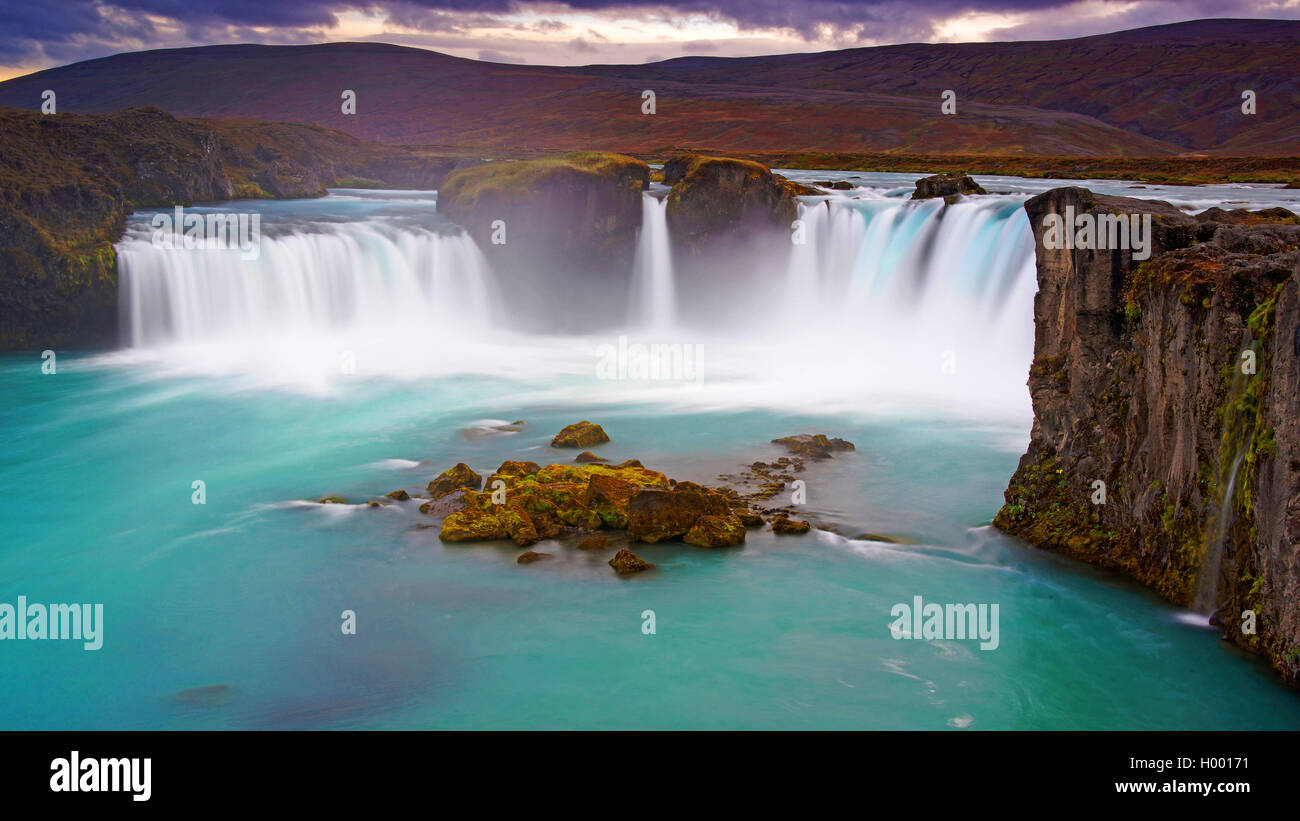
x,y
625,561
749,518
608,497
473,525
718,199
453,479
519,526
659,515
580,435
587,456
716,531
786,526
398,495
578,211
511,472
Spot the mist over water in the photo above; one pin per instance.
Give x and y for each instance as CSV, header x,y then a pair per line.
x,y
881,301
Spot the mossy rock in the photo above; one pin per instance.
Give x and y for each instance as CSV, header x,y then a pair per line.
x,y
580,435
453,479
785,526
625,561
716,531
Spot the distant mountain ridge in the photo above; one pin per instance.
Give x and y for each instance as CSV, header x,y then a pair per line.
x,y
1156,91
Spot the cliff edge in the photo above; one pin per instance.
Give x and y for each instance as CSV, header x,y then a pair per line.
x,y
1166,395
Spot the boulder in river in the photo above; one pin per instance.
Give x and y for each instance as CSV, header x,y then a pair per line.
x,y
716,531
659,515
814,445
625,561
789,527
580,435
453,479
946,186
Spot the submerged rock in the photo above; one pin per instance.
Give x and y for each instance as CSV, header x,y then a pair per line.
x,y
814,446
625,561
213,695
597,542
580,435
529,556
453,479
587,456
332,500
398,495
485,431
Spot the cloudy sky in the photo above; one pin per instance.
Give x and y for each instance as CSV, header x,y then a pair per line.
x,y
36,34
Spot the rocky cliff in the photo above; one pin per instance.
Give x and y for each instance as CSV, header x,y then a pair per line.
x,y
1166,396
68,182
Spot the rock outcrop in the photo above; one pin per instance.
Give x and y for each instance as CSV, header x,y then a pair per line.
x,y
625,561
582,434
575,212
949,186
813,445
455,478
1166,396
721,201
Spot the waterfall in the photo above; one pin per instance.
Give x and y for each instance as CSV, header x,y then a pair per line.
x,y
1234,445
356,276
878,297
654,303
886,260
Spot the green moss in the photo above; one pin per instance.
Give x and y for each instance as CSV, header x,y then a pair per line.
x,y
516,180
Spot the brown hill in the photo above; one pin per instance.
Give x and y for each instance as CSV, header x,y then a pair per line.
x,y
1149,92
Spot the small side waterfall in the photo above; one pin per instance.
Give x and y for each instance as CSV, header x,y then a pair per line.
x,y
654,303
1236,440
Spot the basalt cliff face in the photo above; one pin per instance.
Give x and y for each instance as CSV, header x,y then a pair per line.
x,y
1166,396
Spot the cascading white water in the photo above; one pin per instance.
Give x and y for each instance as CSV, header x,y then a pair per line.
x,y
654,304
355,276
885,298
944,268
888,296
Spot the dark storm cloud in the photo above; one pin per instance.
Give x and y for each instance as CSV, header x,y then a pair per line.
x,y
67,30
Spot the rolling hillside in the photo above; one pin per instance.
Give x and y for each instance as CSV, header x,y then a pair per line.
x,y
1158,91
